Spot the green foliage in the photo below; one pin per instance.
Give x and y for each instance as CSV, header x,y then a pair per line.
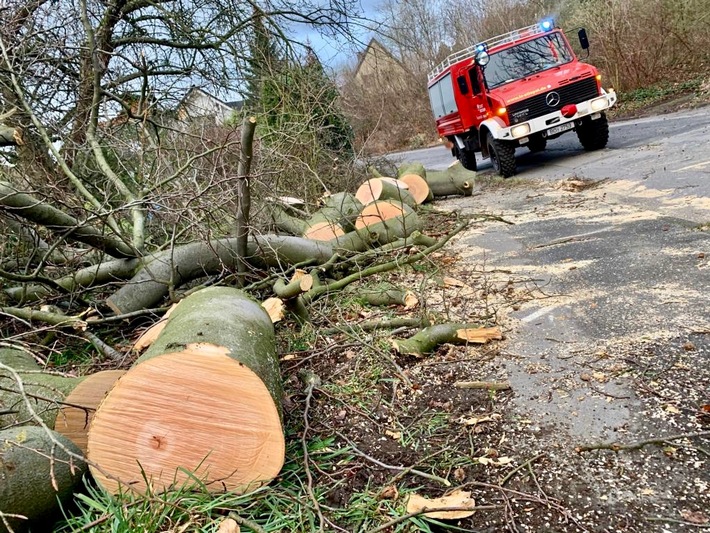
x,y
300,98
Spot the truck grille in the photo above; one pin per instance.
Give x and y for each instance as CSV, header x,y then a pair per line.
x,y
537,106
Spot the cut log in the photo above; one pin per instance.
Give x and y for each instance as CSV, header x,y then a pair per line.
x,y
429,338
174,267
44,391
296,286
418,187
396,182
455,180
387,295
387,221
80,405
204,398
381,189
335,218
67,404
412,168
37,476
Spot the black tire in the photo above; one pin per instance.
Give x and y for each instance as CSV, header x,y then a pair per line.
x,y
468,159
502,156
537,143
593,134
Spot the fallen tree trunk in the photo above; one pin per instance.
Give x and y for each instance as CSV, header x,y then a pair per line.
x,y
205,397
429,338
174,267
412,168
64,225
37,476
287,222
455,180
101,273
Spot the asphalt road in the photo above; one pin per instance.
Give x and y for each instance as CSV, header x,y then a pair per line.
x,y
669,153
618,327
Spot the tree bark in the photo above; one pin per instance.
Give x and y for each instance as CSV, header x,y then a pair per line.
x,y
412,168
32,209
244,195
101,273
384,295
388,220
44,391
455,180
429,338
174,267
66,404
37,475
205,397
287,222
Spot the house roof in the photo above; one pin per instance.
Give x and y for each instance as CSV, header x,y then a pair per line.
x,y
375,46
235,104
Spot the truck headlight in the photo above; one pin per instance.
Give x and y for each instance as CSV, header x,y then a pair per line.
x,y
599,103
521,130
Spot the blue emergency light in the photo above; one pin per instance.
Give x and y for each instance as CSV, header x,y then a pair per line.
x,y
547,24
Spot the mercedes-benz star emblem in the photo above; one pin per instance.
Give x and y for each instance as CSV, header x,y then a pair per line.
x,y
552,99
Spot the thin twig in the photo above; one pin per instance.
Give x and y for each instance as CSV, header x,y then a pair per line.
x,y
410,470
520,467
312,381
615,446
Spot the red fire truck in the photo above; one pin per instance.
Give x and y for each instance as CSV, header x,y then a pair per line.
x,y
518,89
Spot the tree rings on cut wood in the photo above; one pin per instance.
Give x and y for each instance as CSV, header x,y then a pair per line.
x,y
383,189
387,221
324,231
418,188
80,405
202,401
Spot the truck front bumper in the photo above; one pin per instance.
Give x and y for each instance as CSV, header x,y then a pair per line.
x,y
555,123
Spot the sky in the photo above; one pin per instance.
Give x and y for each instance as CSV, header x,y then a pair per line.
x,y
334,52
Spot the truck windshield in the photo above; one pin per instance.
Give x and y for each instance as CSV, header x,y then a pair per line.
x,y
527,58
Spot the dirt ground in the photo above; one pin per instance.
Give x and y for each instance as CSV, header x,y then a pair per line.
x,y
604,309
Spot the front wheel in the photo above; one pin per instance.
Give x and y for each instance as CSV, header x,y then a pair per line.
x,y
502,156
593,134
467,159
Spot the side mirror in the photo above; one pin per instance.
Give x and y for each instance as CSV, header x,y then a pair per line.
x,y
482,58
583,39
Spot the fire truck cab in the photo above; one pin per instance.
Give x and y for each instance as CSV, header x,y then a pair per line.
x,y
518,89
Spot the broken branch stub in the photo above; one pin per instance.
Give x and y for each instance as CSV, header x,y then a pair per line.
x,y
428,339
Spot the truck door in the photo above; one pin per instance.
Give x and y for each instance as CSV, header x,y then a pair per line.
x,y
478,102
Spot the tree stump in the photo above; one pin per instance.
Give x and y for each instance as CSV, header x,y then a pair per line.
x,y
205,398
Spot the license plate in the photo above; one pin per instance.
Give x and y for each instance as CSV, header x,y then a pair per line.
x,y
560,128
